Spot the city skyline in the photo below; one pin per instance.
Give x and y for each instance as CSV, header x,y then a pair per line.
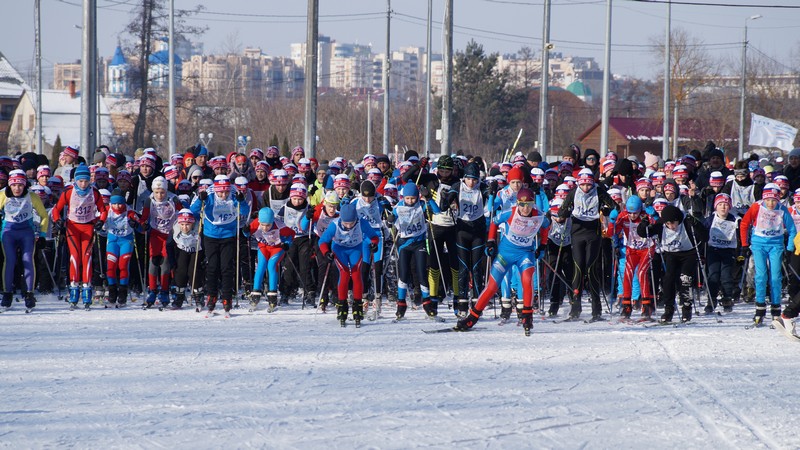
x,y
578,28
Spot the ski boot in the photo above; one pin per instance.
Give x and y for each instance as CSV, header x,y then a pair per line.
x,y
151,300
526,319
211,303
122,296
30,301
462,308
468,322
255,297
341,311
163,299
686,312
323,305
272,300
775,311
400,314
429,306
180,298
761,311
647,310
505,309
8,298
727,304
112,295
74,295
99,295
227,304
86,296
669,312
358,312
575,306
309,299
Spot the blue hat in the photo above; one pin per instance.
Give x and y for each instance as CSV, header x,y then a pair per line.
x,y
117,199
634,204
410,190
348,213
82,172
329,182
266,215
202,151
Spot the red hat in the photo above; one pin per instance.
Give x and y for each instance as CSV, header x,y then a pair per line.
x,y
70,151
643,183
515,174
771,190
722,198
17,177
585,176
221,183
525,195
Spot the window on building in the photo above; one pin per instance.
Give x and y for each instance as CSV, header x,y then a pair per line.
x,y
7,112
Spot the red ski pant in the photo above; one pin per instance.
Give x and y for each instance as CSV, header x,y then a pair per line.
x,y
159,269
637,263
80,237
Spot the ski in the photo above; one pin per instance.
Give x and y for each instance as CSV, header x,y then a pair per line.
x,y
227,314
503,321
73,306
87,307
449,330
399,319
28,310
437,319
787,332
210,314
569,319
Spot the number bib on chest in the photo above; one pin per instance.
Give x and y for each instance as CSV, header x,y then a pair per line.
x,y
117,224
559,233
348,238
522,230
410,221
162,215
587,205
722,233
322,224
82,208
292,217
675,241
371,212
18,209
769,223
223,212
741,198
470,204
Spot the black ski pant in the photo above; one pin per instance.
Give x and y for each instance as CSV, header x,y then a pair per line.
x,y
794,280
443,238
299,254
585,257
560,257
184,267
43,257
679,272
220,273
720,268
99,255
470,241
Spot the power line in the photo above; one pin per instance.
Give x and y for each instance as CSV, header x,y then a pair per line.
x,y
722,5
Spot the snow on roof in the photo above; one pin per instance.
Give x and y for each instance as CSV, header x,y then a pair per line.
x,y
11,82
61,116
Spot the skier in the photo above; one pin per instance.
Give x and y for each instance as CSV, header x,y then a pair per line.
x,y
19,233
372,208
679,235
322,217
297,263
84,203
720,252
273,239
559,252
159,214
188,257
762,231
346,242
518,231
120,225
219,240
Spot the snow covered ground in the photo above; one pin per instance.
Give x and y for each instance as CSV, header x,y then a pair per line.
x,y
295,379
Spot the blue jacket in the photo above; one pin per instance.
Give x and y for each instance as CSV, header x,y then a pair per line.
x,y
219,218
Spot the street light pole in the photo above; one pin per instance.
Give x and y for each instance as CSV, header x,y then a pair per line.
x,y
667,80
606,83
172,143
545,83
743,87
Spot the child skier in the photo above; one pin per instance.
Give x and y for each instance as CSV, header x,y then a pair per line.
x,y
273,240
219,240
322,217
721,253
518,231
159,214
119,247
188,257
346,242
762,232
83,203
19,233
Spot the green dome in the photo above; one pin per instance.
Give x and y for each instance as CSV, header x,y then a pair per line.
x,y
579,89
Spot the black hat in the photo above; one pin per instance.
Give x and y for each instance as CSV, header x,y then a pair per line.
x,y
367,188
409,154
625,167
534,156
472,171
382,158
671,213
445,162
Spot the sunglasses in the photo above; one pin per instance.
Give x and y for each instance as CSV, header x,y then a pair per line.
x,y
524,204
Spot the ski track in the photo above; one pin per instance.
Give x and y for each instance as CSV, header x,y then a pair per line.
x,y
294,379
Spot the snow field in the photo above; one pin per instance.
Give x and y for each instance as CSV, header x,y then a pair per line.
x,y
295,379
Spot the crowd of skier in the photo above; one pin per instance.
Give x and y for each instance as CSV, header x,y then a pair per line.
x,y
359,236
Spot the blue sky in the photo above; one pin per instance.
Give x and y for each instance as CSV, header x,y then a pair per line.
x,y
578,27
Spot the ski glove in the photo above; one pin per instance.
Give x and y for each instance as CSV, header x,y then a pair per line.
x,y
203,195
390,219
285,246
59,226
746,251
132,223
98,226
329,256
491,249
310,213
541,250
240,196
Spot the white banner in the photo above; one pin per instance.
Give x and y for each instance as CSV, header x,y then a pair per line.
x,y
766,132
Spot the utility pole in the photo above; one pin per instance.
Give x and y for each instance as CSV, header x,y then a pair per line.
x,y
369,121
543,90
89,79
312,47
743,88
38,127
428,80
387,66
447,60
172,143
667,80
675,133
606,83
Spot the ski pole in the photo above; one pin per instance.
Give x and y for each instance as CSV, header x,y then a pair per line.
x,y
56,265
238,261
197,252
52,278
299,277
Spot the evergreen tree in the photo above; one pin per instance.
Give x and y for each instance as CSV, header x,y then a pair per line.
x,y
57,149
274,142
285,147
